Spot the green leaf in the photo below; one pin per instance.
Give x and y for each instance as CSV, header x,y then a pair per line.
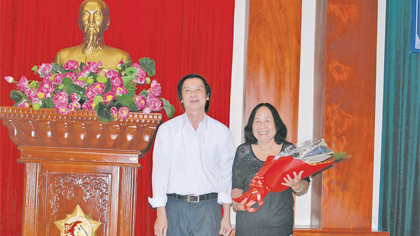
x,y
132,106
143,93
126,99
340,156
126,65
16,96
34,68
33,84
98,99
148,65
47,103
131,71
127,79
72,88
93,75
108,86
67,81
57,68
102,79
168,107
170,110
103,112
81,66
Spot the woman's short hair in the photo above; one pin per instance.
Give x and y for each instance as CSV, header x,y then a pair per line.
x,y
281,130
206,85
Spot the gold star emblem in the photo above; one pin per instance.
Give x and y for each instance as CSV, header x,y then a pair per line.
x,y
77,224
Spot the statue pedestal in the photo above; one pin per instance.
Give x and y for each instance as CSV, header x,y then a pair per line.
x,y
76,160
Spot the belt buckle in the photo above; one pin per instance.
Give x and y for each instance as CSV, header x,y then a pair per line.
x,y
192,198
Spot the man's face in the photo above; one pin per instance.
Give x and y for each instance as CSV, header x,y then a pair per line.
x,y
92,20
194,95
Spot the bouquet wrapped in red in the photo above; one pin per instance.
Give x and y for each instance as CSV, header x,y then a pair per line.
x,y
310,159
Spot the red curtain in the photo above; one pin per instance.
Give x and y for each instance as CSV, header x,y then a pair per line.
x,y
182,36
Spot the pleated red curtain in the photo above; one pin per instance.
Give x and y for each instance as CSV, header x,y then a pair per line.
x,y
182,36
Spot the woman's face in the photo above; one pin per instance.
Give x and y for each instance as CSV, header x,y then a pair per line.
x,y
264,128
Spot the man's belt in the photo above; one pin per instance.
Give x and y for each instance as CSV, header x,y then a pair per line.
x,y
193,198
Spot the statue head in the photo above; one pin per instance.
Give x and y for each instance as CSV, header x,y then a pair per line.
x,y
94,18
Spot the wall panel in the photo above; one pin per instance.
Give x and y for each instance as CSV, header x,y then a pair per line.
x,y
274,59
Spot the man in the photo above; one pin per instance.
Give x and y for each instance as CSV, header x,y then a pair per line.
x,y
93,21
192,168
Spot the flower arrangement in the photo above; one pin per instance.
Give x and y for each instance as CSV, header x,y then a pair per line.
x,y
88,86
311,158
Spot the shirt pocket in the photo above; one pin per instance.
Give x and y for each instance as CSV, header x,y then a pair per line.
x,y
211,156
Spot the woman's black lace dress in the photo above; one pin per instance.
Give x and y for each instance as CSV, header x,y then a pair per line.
x,y
276,216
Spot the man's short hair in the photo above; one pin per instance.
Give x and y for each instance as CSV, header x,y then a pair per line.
x,y
206,85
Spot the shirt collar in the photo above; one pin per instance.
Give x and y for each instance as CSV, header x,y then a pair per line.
x,y
202,125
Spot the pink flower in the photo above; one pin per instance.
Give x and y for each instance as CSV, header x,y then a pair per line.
x,y
61,98
23,84
44,69
140,102
140,80
88,105
47,78
156,88
46,86
71,75
147,110
155,103
117,81
90,93
9,79
79,82
99,87
113,110
74,105
23,104
42,94
94,66
63,109
120,64
58,79
31,93
71,65
111,74
124,112
109,96
119,90
84,73
37,100
74,97
141,73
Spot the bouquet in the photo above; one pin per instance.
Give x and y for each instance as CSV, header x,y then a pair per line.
x,y
309,158
89,86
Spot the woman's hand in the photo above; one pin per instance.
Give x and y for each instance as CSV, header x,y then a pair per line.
x,y
295,182
241,206
298,185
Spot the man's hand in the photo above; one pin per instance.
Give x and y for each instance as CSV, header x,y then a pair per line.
x,y
226,227
161,223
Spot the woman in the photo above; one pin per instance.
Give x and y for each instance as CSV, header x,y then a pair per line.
x,y
265,136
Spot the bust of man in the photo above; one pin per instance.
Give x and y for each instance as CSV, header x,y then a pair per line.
x,y
93,21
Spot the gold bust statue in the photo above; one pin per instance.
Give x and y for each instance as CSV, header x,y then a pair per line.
x,y
93,21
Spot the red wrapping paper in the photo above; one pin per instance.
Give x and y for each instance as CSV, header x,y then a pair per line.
x,y
272,174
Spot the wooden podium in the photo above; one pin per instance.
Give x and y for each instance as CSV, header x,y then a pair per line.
x,y
76,160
